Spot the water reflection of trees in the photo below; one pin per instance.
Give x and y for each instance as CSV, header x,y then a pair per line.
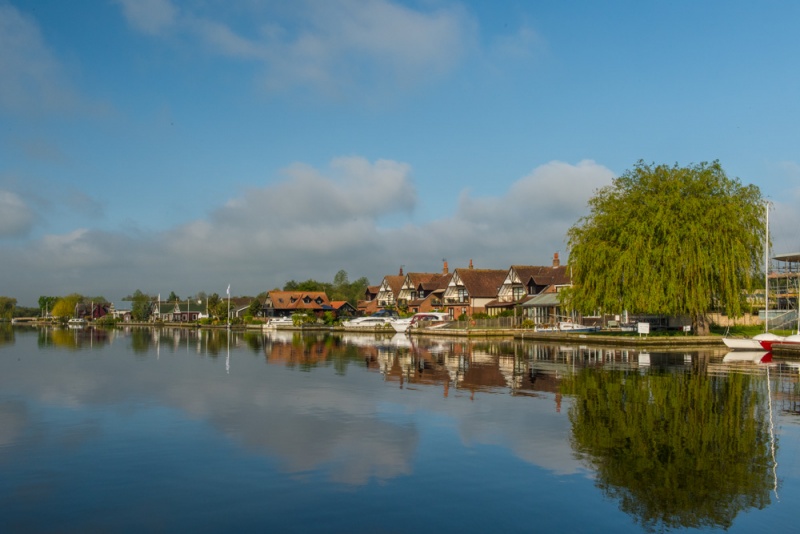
x,y
6,334
675,449
73,338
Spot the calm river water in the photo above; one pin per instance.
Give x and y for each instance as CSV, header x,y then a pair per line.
x,y
178,430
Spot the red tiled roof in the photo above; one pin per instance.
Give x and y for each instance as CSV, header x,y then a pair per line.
x,y
395,283
542,276
482,282
295,300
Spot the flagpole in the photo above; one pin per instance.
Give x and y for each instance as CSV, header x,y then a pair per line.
x,y
229,306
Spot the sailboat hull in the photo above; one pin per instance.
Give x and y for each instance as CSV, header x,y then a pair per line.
x,y
741,343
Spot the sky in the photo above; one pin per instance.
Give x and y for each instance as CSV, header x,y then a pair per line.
x,y
184,146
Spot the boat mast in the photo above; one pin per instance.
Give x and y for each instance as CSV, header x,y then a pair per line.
x,y
766,273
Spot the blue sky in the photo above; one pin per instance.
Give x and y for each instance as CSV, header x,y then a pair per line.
x,y
181,146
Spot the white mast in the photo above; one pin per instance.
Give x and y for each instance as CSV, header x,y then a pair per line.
x,y
766,275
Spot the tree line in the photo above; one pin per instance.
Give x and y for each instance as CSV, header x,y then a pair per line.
x,y
74,304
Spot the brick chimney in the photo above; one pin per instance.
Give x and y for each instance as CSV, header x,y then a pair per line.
x,y
445,270
556,261
401,271
470,264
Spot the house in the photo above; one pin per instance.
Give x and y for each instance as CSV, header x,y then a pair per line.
x,y
369,304
125,316
100,309
470,290
524,282
178,312
544,308
389,290
240,306
162,310
342,308
287,303
423,292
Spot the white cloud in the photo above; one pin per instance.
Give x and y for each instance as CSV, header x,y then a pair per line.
x,y
533,216
149,16
16,218
32,80
316,222
334,47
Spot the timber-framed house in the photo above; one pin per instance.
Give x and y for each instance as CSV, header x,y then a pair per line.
x,y
470,290
524,282
390,290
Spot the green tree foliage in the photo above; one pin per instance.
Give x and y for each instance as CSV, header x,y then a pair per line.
x,y
308,285
46,304
668,240
64,307
25,311
217,307
254,310
142,305
7,305
676,450
173,297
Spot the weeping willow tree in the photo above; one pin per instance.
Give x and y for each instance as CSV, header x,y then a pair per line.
x,y
668,241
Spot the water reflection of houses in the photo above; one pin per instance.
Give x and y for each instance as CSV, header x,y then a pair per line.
x,y
460,366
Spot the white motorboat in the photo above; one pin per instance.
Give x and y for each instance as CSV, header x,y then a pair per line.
x,y
77,322
419,320
567,327
275,322
380,319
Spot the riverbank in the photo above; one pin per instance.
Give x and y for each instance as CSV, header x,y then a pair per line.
x,y
593,338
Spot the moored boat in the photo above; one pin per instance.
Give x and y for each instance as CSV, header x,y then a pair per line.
x,y
753,343
567,327
419,320
380,319
275,322
794,339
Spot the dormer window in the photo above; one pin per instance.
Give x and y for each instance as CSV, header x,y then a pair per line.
x,y
307,299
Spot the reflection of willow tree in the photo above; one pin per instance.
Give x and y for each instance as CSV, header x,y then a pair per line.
x,y
677,450
6,334
64,339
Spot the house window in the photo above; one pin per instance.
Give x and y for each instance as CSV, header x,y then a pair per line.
x,y
517,293
462,294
